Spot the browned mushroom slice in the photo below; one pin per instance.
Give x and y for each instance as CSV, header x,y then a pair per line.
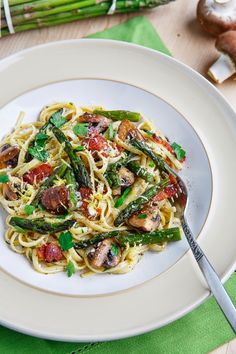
x,y
148,219
56,199
8,192
9,155
126,129
126,177
225,66
98,123
106,254
116,191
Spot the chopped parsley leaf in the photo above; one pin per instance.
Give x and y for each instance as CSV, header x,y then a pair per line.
x,y
114,249
79,148
111,133
70,269
57,119
142,216
179,151
29,209
81,129
4,178
38,152
151,164
65,240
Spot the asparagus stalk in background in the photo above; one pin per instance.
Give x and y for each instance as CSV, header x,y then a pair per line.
x,y
119,115
138,203
81,174
133,239
147,150
57,173
72,185
140,171
32,6
77,14
40,225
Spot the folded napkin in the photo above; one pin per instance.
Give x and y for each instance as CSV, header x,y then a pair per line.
x,y
200,331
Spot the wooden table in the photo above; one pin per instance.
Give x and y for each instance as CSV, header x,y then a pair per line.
x,y
178,28
175,23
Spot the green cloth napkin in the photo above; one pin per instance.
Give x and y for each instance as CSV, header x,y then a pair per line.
x,y
200,331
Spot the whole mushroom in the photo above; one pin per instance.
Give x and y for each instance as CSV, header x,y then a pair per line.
x,y
217,16
225,66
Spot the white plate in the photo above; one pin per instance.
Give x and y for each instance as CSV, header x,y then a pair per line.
x,y
185,107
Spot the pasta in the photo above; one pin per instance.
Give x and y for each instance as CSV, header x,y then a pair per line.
x,y
74,175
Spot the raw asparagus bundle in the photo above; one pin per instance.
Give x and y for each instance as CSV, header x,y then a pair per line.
x,y
34,14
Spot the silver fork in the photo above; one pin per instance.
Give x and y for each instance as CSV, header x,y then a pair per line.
x,y
214,283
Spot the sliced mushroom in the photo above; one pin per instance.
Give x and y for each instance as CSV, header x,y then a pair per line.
x,y
148,219
106,254
56,199
217,16
9,155
98,123
8,192
126,177
128,129
116,191
225,66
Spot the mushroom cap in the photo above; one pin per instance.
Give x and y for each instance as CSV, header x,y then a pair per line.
x,y
217,17
226,43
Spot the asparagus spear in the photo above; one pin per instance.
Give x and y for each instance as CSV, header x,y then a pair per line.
x,y
91,11
133,239
96,239
72,185
165,235
140,171
40,225
81,174
57,173
119,115
147,150
138,203
32,6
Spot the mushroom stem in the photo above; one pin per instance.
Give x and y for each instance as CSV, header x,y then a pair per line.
x,y
222,69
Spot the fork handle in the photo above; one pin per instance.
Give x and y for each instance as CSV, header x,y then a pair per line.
x,y
211,277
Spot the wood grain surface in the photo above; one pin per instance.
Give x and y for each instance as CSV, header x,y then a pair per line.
x,y
176,23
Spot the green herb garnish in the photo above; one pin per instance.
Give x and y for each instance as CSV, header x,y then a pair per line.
x,y
38,152
4,178
81,129
121,199
70,269
148,132
29,209
40,139
57,119
79,148
179,151
114,250
142,216
65,240
111,133
151,164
